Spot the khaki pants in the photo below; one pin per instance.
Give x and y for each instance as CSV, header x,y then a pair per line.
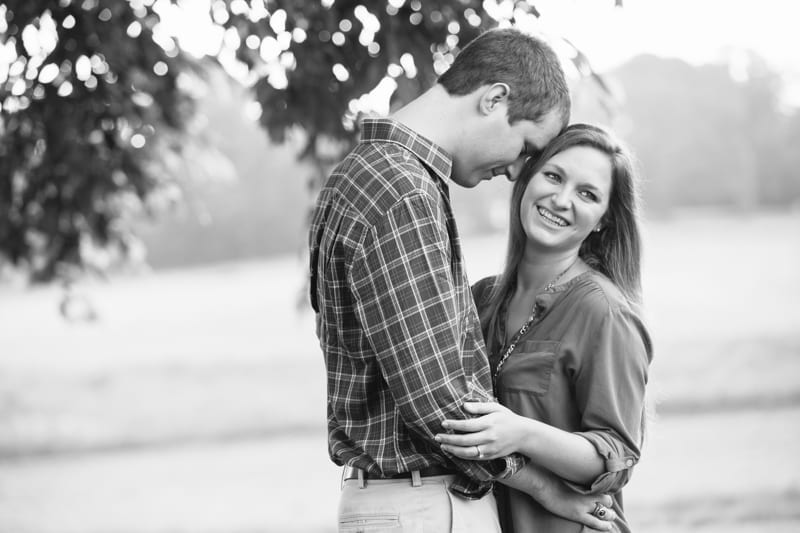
x,y
413,506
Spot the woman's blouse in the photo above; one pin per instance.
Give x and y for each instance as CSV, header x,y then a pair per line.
x,y
582,367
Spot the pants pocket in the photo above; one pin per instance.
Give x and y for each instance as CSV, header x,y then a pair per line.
x,y
369,522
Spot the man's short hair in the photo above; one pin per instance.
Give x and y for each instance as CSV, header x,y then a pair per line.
x,y
526,63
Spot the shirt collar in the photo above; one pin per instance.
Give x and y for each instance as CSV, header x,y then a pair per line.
x,y
387,130
543,301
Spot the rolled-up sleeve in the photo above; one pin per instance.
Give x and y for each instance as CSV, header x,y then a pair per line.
x,y
407,306
610,390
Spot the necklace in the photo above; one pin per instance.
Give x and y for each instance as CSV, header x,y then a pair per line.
x,y
515,339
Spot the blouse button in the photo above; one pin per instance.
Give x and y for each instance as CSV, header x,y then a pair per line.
x,y
629,462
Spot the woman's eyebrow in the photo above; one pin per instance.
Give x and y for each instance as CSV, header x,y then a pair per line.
x,y
555,166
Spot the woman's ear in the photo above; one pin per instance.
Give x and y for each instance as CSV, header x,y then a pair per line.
x,y
605,222
493,97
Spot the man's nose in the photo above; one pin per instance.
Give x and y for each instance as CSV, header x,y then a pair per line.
x,y
505,170
500,171
513,170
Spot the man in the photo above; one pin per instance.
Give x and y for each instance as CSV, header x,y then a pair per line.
x,y
395,316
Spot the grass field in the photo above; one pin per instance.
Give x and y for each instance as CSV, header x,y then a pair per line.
x,y
196,401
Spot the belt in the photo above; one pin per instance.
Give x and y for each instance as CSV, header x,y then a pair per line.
x,y
351,472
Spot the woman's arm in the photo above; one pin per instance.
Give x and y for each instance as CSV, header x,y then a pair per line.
x,y
560,499
500,432
609,387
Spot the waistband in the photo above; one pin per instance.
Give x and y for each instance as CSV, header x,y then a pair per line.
x,y
353,472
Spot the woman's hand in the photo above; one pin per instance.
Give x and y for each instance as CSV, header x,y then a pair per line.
x,y
592,510
497,433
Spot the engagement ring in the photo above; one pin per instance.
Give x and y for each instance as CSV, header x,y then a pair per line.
x,y
600,510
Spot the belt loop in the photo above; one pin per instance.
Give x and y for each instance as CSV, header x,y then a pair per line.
x,y
360,478
416,479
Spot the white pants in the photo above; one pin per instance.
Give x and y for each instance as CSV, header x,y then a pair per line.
x,y
398,506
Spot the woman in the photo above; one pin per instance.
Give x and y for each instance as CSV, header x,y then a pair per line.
x,y
569,352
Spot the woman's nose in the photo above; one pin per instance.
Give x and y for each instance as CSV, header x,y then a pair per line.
x,y
561,198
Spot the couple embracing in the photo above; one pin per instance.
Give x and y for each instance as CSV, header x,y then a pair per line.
x,y
515,404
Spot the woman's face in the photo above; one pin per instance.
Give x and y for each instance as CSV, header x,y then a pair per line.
x,y
566,199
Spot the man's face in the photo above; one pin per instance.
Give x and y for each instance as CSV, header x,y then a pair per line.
x,y
495,145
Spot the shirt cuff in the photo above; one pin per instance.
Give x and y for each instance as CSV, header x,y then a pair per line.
x,y
618,466
514,463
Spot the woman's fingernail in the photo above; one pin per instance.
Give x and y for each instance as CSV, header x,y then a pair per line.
x,y
438,438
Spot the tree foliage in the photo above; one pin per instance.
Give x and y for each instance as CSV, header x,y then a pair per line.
x,y
90,104
92,100
313,60
716,140
317,66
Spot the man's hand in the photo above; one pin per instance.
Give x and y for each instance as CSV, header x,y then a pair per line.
x,y
555,496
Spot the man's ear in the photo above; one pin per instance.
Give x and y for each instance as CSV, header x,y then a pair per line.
x,y
496,94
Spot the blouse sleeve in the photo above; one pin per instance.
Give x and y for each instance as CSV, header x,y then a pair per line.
x,y
610,393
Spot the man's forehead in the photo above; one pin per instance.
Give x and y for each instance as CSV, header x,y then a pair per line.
x,y
538,134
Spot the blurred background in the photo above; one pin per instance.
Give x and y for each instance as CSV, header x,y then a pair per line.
x,y
158,159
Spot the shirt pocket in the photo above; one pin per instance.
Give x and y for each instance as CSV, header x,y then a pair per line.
x,y
530,367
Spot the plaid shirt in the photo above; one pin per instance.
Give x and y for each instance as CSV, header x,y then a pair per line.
x,y
395,316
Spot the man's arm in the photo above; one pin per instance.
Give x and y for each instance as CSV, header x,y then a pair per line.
x,y
547,489
407,306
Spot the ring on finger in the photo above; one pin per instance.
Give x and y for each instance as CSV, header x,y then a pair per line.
x,y
478,451
600,510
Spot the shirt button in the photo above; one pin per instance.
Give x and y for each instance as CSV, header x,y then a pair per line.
x,y
629,462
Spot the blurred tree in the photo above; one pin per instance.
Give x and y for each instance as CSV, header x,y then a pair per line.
x,y
259,210
772,132
781,186
90,108
687,127
317,66
92,99
716,135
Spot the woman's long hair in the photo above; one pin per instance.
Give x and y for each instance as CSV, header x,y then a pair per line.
x,y
614,251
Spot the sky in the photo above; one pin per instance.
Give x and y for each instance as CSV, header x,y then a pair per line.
x,y
697,31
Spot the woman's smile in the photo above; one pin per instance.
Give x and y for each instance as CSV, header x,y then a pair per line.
x,y
566,198
551,218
